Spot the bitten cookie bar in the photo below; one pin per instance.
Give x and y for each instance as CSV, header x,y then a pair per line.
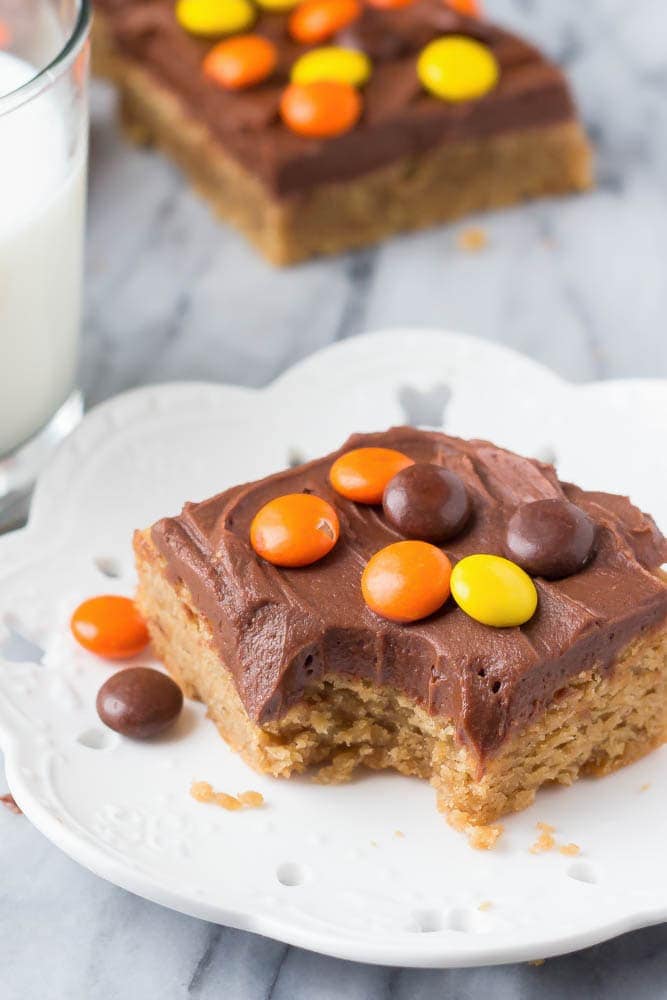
x,y
418,602
316,126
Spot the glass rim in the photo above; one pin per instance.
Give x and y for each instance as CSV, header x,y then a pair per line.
x,y
44,77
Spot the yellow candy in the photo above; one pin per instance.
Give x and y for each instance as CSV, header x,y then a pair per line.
x,y
278,5
212,18
332,63
494,591
456,68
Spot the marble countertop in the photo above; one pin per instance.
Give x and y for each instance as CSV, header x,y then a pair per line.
x,y
578,284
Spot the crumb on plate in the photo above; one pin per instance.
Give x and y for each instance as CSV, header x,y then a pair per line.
x,y
203,791
485,905
227,801
484,838
251,799
570,850
546,840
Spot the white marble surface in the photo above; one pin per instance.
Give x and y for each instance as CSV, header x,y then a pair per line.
x,y
578,284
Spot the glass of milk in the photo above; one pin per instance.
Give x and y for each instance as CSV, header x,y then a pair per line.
x,y
43,152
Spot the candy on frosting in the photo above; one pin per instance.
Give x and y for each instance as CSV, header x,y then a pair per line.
x,y
471,8
362,474
493,591
457,68
320,110
406,581
296,529
241,62
389,4
428,502
277,6
550,538
209,18
332,62
315,21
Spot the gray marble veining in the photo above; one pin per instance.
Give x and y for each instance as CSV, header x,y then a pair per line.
x,y
578,284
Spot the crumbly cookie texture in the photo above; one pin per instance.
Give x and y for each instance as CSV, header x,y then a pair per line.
x,y
598,722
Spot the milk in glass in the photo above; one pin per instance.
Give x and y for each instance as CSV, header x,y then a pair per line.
x,y
42,193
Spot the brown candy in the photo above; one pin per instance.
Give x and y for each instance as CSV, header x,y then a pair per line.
x,y
427,502
550,538
139,702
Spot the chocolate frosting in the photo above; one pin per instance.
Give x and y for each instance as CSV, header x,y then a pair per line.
x,y
280,631
399,119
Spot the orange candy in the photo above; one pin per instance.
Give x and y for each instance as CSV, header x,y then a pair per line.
x,y
471,8
390,4
294,530
320,110
241,62
406,581
362,474
315,21
110,626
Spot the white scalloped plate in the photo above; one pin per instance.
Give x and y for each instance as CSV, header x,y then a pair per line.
x,y
320,867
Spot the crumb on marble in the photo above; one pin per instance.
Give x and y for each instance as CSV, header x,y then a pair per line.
x,y
203,791
10,803
399,834
645,787
472,239
374,843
